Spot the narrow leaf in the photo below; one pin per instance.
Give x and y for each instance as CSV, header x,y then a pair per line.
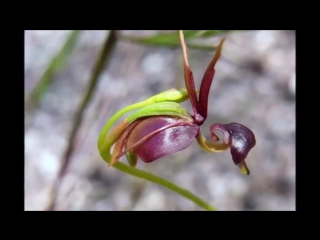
x,y
171,39
56,64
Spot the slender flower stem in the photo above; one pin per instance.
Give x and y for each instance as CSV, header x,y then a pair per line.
x,y
160,181
102,60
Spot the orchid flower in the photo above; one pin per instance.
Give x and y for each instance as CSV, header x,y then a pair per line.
x,y
161,126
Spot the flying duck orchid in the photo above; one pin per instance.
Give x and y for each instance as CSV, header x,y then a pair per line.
x,y
161,126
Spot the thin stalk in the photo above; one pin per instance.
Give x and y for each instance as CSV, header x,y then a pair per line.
x,y
98,68
160,181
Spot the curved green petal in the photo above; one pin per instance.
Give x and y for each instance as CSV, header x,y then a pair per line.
x,y
173,95
161,108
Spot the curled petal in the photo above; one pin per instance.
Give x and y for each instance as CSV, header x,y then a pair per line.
x,y
209,146
121,141
155,137
113,136
240,139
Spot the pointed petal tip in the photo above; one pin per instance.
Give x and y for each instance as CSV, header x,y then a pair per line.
x,y
222,41
244,169
132,159
113,160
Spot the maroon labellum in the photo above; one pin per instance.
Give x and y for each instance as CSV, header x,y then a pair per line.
x,y
160,136
240,139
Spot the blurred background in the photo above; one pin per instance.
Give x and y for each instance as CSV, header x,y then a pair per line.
x,y
65,109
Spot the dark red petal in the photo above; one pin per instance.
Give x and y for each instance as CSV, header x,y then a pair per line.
x,y
239,137
207,81
173,139
189,81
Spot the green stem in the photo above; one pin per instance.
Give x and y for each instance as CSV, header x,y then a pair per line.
x,y
160,181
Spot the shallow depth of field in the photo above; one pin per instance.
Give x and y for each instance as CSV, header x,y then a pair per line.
x,y
254,85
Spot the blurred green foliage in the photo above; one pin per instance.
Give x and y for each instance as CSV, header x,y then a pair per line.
x,y
56,64
171,39
162,39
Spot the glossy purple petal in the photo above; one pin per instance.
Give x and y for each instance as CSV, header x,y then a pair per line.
x,y
240,138
178,136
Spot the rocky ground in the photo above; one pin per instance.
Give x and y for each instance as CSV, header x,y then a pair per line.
x,y
254,85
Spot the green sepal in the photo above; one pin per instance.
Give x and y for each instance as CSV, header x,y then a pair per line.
x,y
174,95
161,108
132,159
